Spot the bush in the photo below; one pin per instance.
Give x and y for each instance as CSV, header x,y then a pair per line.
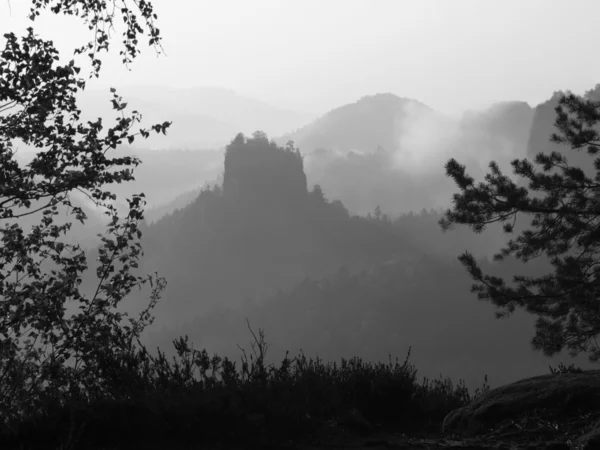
x,y
196,398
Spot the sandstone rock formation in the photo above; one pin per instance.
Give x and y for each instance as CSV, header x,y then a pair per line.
x,y
570,400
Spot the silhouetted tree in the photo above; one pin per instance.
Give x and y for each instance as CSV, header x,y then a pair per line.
x,y
565,205
39,271
378,212
318,194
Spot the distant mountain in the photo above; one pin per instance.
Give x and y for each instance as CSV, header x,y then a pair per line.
x,y
372,121
247,114
190,129
391,151
510,121
202,117
158,212
163,175
543,128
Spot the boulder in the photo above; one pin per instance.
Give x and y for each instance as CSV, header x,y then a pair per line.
x,y
589,441
565,393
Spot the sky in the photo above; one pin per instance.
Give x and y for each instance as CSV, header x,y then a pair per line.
x,y
315,55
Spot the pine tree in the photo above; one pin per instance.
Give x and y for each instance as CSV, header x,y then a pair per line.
x,y
563,204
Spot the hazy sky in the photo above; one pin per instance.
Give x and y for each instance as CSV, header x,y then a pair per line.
x,y
314,55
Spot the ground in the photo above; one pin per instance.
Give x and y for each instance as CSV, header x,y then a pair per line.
x,y
549,412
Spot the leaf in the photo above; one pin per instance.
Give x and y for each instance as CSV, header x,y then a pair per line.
x,y
75,157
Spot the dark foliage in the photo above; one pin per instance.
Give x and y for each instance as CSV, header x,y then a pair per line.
x,y
563,201
45,352
198,400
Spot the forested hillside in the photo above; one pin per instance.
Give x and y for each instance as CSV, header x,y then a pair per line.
x,y
262,230
263,245
423,303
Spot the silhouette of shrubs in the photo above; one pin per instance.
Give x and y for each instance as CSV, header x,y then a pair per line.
x,y
198,399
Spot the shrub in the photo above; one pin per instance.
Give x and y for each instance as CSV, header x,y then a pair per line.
x,y
198,398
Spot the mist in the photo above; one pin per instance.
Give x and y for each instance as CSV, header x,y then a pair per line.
x,y
407,174
301,188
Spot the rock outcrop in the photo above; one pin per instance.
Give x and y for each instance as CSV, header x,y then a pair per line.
x,y
257,170
570,400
